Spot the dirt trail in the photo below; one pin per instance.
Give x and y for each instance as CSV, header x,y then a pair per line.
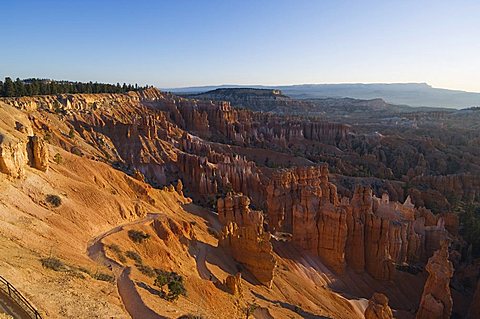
x,y
201,260
95,247
131,298
126,287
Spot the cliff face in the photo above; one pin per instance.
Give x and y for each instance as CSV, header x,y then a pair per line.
x,y
219,121
365,232
38,153
13,156
436,299
302,202
243,236
235,209
212,172
19,147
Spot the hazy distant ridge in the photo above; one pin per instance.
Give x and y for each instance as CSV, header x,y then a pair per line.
x,y
414,94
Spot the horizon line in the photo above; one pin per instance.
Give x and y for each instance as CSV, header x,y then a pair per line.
x,y
305,84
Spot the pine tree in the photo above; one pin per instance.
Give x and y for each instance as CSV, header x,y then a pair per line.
x,y
19,88
89,87
35,87
53,87
28,90
9,87
44,88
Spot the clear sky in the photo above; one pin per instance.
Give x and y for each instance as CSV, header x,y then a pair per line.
x,y
202,42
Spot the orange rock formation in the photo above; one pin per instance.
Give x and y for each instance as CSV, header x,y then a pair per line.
x,y
378,307
244,237
366,232
436,300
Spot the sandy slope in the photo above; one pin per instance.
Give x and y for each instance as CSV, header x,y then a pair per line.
x,y
95,198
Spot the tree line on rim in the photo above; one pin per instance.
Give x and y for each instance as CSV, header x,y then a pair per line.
x,y
30,87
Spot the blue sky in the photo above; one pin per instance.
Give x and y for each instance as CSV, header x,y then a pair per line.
x,y
183,43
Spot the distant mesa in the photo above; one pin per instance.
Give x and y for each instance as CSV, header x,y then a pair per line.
x,y
413,94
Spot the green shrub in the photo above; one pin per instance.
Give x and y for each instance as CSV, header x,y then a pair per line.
x,y
115,248
250,309
53,263
54,200
173,281
75,150
77,274
175,289
71,133
47,137
161,280
137,236
118,252
146,270
85,270
58,158
104,277
134,256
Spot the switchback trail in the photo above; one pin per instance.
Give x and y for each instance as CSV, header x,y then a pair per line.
x,y
131,299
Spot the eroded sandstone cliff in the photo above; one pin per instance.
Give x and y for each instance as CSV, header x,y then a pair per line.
x,y
364,232
19,146
436,300
243,235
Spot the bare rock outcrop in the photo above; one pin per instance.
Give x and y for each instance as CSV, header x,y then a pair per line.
x,y
19,147
206,176
13,156
39,153
179,187
247,241
332,235
235,208
304,203
378,261
378,307
436,299
365,232
290,189
251,247
233,284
